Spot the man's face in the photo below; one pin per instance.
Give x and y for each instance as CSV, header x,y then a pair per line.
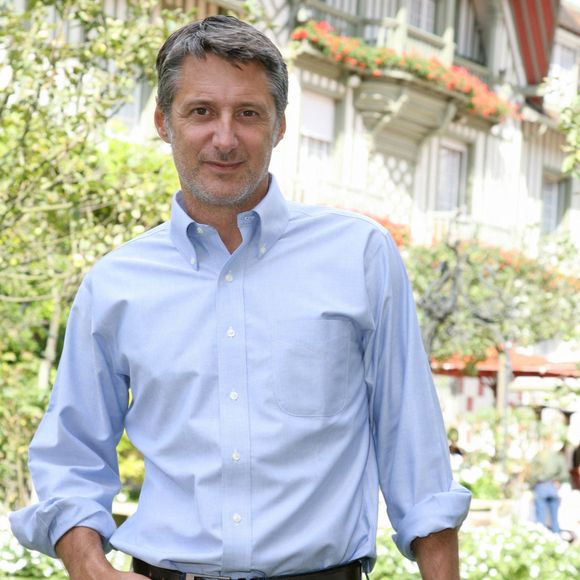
x,y
222,130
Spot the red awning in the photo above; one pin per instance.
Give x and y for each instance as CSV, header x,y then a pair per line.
x,y
535,23
521,365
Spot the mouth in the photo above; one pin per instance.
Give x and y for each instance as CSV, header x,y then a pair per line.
x,y
226,166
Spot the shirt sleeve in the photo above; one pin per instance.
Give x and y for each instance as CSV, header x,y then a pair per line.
x,y
72,457
409,436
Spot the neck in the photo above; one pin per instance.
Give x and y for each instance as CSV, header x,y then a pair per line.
x,y
224,218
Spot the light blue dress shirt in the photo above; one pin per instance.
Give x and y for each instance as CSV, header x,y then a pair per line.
x,y
273,391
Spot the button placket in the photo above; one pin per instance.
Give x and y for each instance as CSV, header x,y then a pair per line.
x,y
234,415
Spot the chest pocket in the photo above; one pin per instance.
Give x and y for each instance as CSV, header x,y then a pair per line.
x,y
311,366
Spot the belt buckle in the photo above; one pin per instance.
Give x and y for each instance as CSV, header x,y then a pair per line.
x,y
195,576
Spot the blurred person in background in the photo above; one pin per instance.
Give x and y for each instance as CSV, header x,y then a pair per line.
x,y
547,473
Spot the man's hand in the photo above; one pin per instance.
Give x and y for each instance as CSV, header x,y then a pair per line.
x,y
438,555
81,551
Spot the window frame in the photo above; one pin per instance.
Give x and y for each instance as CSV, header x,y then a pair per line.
x,y
424,17
461,206
316,142
562,196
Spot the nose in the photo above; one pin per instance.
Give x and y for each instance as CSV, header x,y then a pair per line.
x,y
224,136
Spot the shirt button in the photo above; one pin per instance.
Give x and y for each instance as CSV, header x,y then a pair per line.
x,y
229,277
236,456
262,249
231,332
237,518
193,261
199,230
234,396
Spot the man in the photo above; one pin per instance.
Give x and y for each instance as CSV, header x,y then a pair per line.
x,y
273,356
548,471
575,471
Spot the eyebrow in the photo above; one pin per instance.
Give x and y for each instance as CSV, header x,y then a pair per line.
x,y
201,102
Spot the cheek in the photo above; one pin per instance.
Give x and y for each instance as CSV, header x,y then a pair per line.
x,y
186,149
263,146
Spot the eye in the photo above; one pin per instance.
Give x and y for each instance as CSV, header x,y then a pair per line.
x,y
200,111
249,113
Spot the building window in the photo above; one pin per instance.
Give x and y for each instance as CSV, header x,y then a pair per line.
x,y
451,177
468,33
204,8
314,157
316,137
555,201
563,75
422,14
563,60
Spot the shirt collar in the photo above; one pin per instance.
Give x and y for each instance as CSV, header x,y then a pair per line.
x,y
271,211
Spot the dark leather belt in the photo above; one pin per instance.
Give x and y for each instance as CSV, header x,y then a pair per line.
x,y
350,571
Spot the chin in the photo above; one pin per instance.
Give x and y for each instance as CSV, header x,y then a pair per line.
x,y
221,198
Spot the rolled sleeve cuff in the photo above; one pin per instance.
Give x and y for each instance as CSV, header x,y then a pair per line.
x,y
40,526
441,511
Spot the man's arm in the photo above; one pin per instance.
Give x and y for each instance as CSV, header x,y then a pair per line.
x,y
72,457
438,555
81,551
412,455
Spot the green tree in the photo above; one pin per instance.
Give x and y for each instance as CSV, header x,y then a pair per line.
x,y
570,124
68,191
473,297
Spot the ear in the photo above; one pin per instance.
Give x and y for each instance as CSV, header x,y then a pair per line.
x,y
281,130
160,124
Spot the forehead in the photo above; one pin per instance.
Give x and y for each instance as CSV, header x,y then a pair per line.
x,y
215,78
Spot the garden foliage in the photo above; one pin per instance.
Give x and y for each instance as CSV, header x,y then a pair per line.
x,y
522,551
69,192
475,298
570,124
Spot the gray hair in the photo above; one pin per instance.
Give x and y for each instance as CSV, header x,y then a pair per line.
x,y
226,37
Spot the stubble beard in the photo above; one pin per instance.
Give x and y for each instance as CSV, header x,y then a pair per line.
x,y
211,196
192,184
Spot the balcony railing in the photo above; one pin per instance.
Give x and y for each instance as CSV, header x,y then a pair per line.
x,y
383,26
475,68
343,21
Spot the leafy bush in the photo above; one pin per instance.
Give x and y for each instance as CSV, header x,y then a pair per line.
x,y
18,562
131,469
390,563
68,192
482,484
523,551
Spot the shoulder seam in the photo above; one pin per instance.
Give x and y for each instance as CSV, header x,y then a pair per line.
x,y
303,209
147,234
